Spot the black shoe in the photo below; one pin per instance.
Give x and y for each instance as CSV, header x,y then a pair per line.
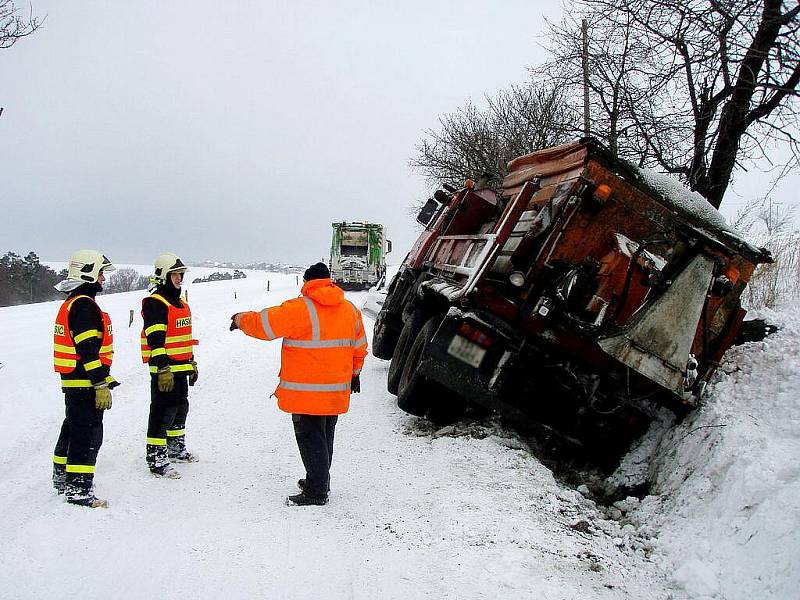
x,y
89,502
301,483
304,499
166,471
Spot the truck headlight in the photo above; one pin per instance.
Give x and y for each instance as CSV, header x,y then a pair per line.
x,y
517,278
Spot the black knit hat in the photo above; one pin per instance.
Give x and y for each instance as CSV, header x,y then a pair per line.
x,y
317,271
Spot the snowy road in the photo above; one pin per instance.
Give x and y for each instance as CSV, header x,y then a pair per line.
x,y
410,516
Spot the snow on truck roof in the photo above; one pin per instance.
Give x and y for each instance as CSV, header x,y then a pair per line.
x,y
665,188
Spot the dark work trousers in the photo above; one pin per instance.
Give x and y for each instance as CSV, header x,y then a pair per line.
x,y
168,412
314,435
81,436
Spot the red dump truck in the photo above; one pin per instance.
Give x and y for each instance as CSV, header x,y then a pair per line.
x,y
583,295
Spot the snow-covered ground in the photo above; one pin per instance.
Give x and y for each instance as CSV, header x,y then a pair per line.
x,y
413,514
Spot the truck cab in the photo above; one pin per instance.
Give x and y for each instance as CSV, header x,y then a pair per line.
x,y
358,254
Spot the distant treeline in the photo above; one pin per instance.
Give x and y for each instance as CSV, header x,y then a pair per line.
x,y
26,280
217,276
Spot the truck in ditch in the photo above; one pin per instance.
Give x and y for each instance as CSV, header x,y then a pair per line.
x,y
358,254
582,296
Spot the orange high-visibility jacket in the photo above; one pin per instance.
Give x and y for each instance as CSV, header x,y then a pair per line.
x,y
324,345
178,342
65,356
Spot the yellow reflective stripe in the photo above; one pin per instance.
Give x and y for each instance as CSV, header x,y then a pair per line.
x,y
159,297
64,362
64,349
179,338
174,368
157,352
157,441
60,460
76,383
106,349
157,327
80,468
175,432
93,364
91,333
179,350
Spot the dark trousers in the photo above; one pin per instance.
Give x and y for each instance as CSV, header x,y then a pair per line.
x,y
167,420
79,441
314,436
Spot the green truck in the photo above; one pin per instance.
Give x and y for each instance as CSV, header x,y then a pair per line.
x,y
358,254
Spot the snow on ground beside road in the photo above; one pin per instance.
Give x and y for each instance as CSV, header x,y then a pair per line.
x,y
412,514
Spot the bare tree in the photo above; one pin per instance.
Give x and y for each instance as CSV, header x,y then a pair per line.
x,y
697,88
472,142
125,280
14,25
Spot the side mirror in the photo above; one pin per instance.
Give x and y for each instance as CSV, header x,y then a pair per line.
x,y
426,214
388,246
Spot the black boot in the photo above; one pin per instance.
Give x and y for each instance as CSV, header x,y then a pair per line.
x,y
176,450
79,489
305,499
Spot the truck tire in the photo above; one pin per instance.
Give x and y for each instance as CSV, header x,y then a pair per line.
x,y
415,391
404,341
384,338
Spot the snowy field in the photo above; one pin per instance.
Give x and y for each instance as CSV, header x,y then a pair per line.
x,y
412,514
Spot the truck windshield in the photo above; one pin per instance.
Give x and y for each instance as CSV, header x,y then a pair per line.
x,y
354,250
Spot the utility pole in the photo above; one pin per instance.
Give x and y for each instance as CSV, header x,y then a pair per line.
x,y
585,31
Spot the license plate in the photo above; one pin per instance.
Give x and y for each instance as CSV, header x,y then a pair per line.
x,y
466,351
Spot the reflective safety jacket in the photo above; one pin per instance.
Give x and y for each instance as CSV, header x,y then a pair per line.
x,y
83,344
324,345
177,343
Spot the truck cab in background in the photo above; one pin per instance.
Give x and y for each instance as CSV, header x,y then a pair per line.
x,y
358,254
583,295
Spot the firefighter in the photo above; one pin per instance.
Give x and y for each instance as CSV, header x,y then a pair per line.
x,y
323,350
82,354
167,347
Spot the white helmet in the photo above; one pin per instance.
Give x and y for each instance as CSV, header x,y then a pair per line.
x,y
168,263
85,266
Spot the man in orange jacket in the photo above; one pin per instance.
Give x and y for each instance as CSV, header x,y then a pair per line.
x,y
324,345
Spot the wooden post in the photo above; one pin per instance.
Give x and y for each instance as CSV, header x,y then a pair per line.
x,y
296,280
267,284
585,31
130,319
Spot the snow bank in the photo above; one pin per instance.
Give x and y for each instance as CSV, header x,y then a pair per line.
x,y
726,482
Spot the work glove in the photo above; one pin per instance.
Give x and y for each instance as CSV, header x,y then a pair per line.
x,y
194,374
233,323
166,380
102,397
355,385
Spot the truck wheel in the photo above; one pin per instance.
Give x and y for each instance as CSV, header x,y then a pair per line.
x,y
404,341
414,390
384,338
446,409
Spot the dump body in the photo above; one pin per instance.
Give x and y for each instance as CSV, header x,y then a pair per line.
x,y
583,295
358,254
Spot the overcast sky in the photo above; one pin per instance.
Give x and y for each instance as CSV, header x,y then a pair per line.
x,y
237,130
